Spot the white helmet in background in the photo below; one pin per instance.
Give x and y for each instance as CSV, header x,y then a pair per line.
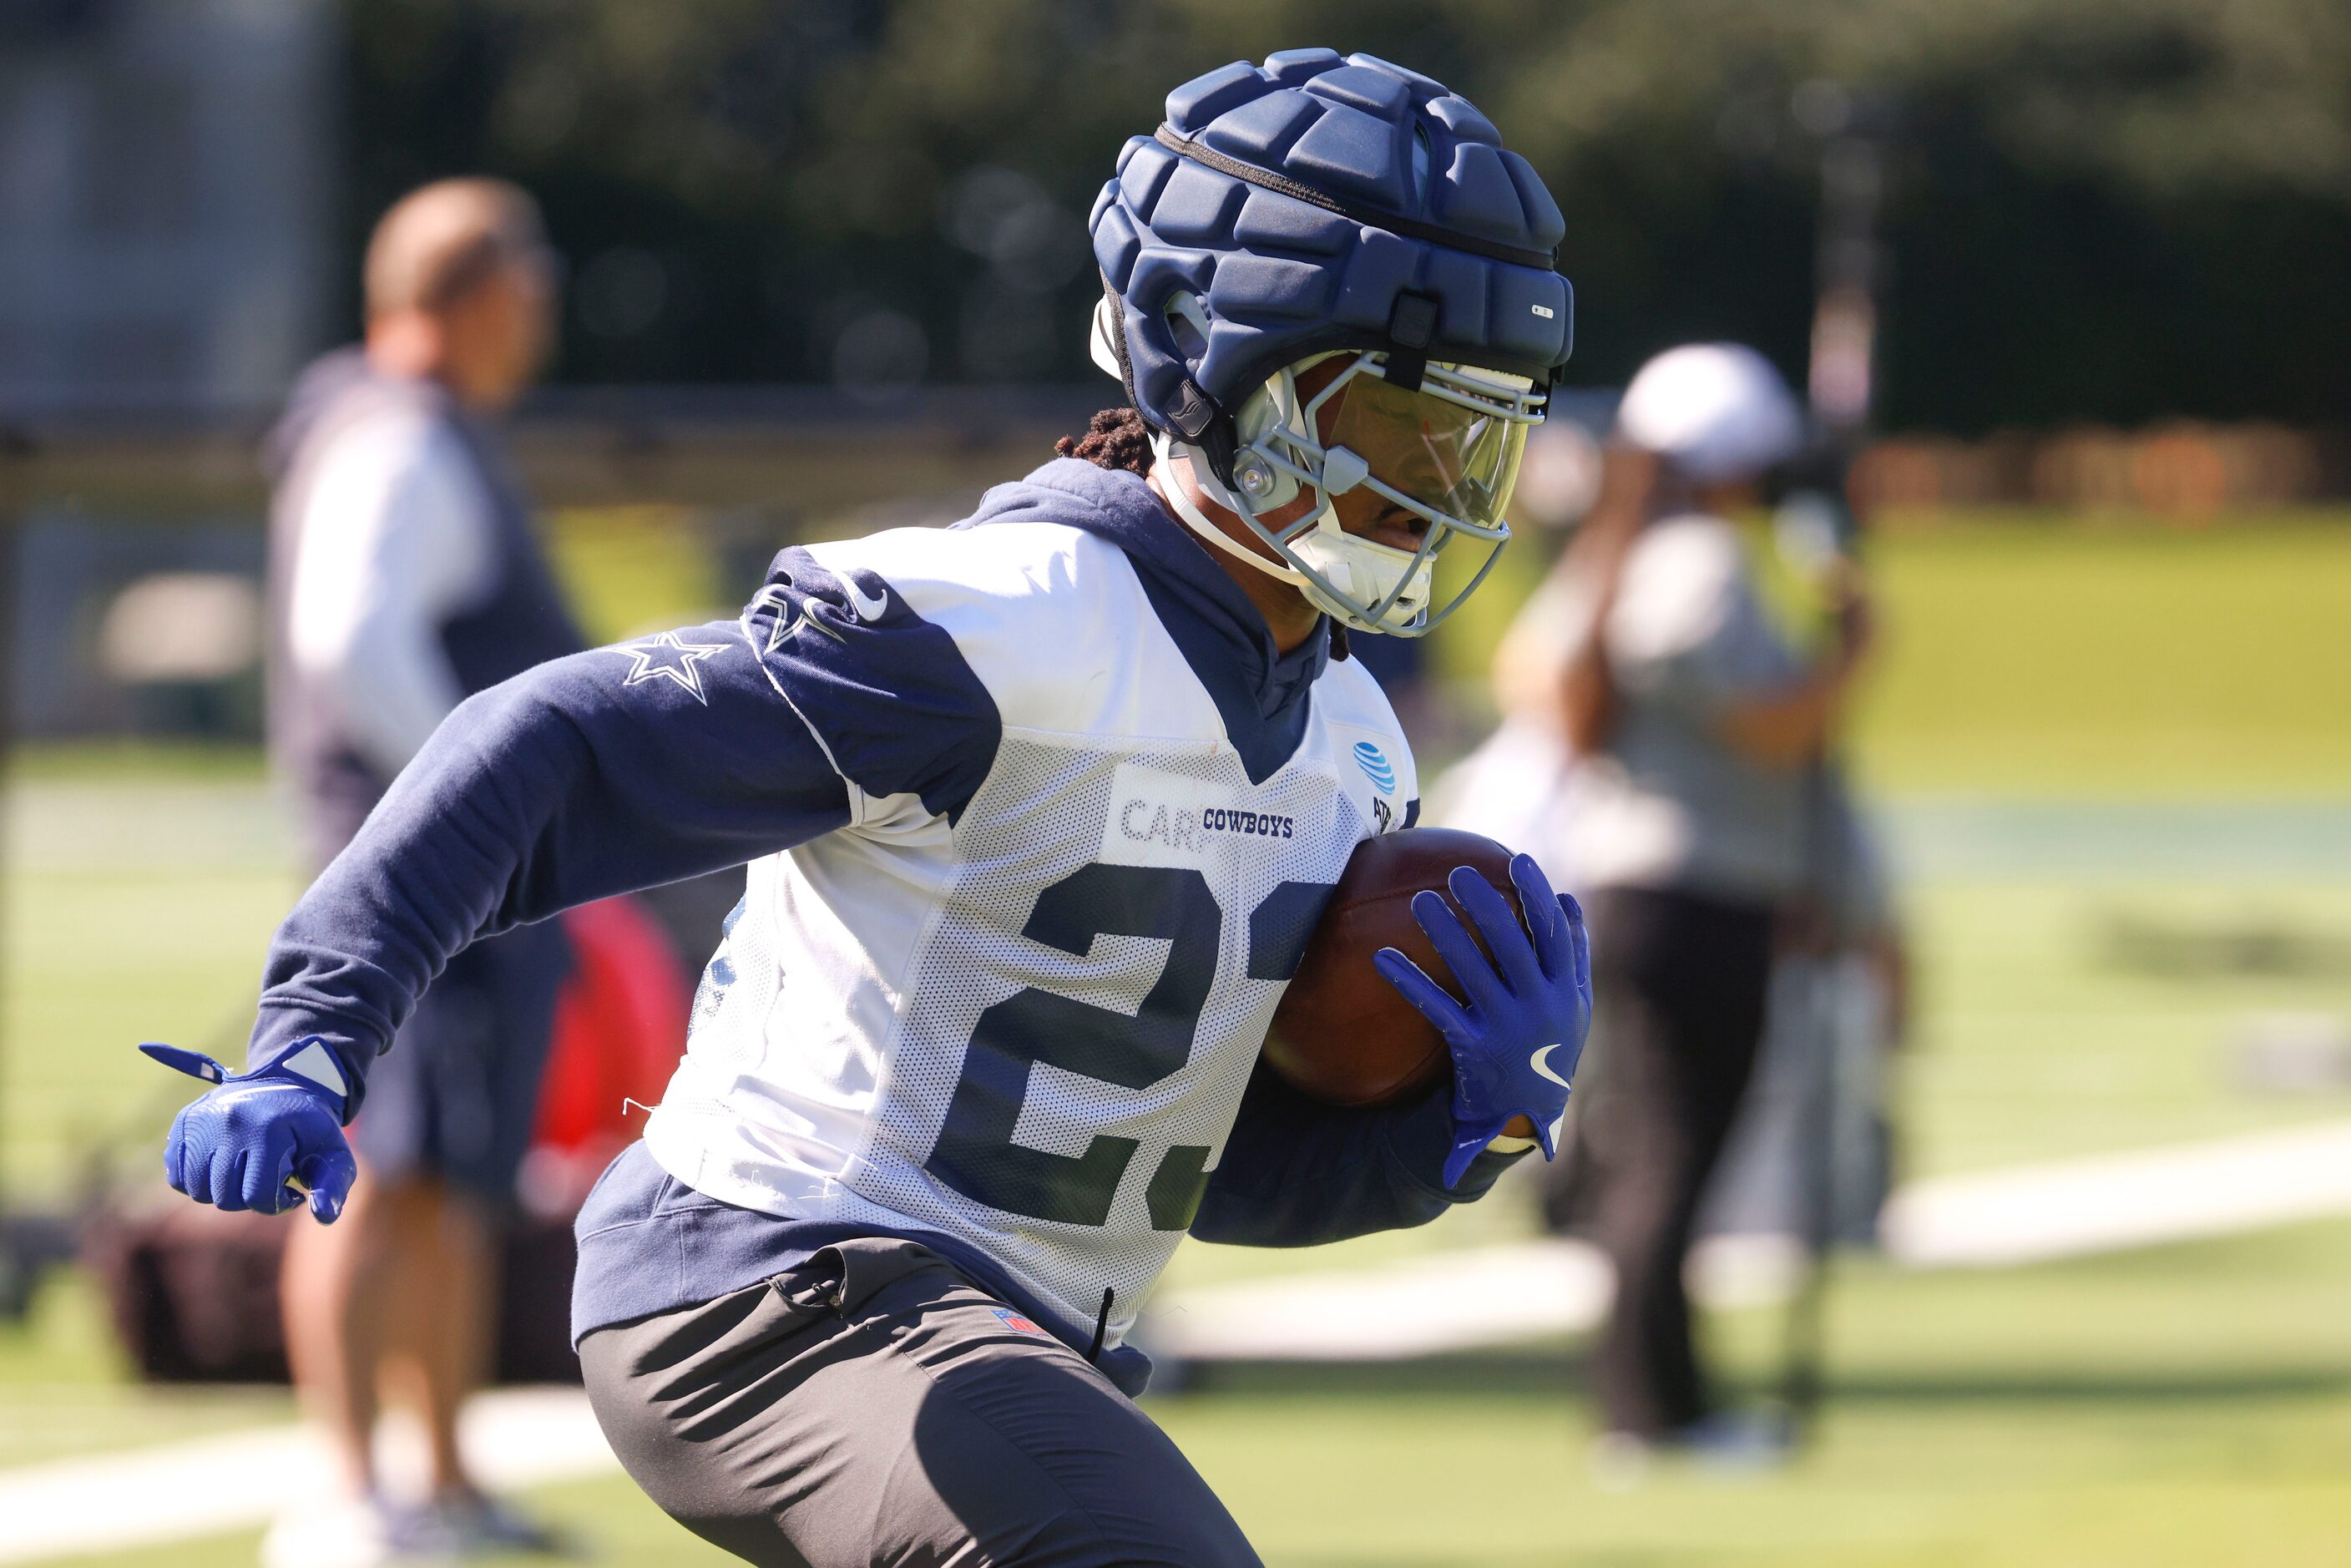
x,y
1716,411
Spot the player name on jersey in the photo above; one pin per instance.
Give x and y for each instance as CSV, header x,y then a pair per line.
x,y
1165,819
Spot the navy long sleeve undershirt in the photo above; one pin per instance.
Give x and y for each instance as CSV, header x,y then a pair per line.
x,y
571,782
1298,1173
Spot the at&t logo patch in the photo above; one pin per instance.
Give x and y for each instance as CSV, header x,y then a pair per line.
x,y
1376,766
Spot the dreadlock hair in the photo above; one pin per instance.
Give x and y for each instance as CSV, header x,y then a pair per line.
x,y
1118,438
1114,438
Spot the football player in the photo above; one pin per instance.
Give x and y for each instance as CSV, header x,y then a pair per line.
x,y
1040,810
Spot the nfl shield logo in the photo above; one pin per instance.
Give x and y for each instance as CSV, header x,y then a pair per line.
x,y
1013,1319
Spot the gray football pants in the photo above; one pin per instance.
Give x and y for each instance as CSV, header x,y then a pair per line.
x,y
876,1406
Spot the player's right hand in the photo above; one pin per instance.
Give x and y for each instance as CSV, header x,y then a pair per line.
x,y
270,1140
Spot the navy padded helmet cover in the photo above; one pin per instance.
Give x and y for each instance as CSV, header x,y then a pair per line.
x,y
1284,277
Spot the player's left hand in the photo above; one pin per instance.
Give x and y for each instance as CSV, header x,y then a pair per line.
x,y
1516,1044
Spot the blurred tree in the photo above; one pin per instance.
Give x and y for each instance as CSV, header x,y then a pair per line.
x,y
2102,209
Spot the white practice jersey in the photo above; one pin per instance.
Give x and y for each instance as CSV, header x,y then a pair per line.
x,y
1024,1020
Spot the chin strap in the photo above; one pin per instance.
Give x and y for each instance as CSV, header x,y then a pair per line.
x,y
1166,449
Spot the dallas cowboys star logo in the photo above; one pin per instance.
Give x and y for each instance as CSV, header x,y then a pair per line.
x,y
669,657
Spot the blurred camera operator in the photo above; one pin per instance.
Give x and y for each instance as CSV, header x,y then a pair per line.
x,y
404,578
1696,722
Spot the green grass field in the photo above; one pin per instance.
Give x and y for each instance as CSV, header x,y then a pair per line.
x,y
2116,662
2182,1407
2105,659
2121,776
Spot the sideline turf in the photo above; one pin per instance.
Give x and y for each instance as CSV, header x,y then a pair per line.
x,y
2176,1407
2023,656
2027,653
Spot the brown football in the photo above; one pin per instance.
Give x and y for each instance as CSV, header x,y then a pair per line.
x,y
1345,1035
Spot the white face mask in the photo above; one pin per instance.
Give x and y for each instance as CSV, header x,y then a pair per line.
x,y
1439,462
1344,576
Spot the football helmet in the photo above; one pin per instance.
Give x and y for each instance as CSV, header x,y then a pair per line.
x,y
1332,292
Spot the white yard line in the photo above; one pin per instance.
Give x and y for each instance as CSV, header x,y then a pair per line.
x,y
2068,1209
110,1503
1421,1306
1417,1307
2113,1203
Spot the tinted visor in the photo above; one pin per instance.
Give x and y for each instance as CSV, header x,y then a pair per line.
x,y
1457,461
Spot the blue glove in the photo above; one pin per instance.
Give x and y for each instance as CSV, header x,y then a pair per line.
x,y
268,1139
1515,1046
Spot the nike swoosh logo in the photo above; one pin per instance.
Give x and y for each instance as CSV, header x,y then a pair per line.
x,y
867,609
1537,1063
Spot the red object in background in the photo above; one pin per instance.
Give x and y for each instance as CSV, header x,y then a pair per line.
x,y
619,1028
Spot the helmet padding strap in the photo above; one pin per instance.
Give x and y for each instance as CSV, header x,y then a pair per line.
x,y
1412,325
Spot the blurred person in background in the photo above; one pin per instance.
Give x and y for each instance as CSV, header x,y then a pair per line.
x,y
404,578
1695,723
1810,1156
1512,788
